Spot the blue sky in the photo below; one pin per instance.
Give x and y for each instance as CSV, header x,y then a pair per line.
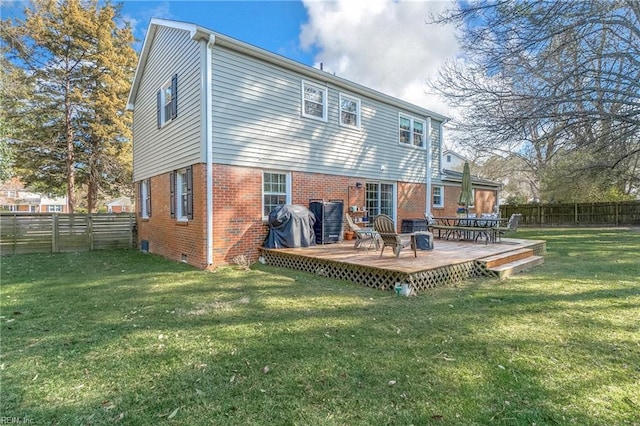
x,y
272,25
382,44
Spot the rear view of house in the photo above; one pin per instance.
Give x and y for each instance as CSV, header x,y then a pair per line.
x,y
223,132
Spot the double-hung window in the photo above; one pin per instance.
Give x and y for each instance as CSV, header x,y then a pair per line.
x,y
145,198
168,101
412,131
438,196
314,101
182,194
276,190
349,111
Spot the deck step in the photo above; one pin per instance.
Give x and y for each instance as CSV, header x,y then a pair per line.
x,y
508,269
502,258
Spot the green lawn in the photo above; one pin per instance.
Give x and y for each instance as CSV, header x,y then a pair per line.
x,y
120,337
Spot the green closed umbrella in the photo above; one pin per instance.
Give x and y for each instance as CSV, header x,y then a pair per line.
x,y
466,195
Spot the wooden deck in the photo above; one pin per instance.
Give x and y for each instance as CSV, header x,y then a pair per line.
x,y
448,263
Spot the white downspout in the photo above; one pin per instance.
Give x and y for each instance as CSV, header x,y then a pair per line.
x,y
208,124
427,207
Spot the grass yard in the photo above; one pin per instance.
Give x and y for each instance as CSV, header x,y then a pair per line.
x,y
120,337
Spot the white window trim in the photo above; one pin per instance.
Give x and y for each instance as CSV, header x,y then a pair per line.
x,y
325,94
181,180
412,120
358,110
288,188
441,196
143,198
163,104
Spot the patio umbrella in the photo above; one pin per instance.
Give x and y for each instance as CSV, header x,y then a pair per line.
x,y
466,195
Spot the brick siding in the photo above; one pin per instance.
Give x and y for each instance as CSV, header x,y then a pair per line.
x,y
238,226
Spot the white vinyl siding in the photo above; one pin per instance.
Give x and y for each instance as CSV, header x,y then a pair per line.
x,y
436,148
161,150
257,122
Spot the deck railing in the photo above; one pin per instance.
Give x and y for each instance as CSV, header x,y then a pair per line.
x,y
624,213
61,232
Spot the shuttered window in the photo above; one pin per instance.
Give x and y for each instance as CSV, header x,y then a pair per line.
x,y
181,194
167,99
144,191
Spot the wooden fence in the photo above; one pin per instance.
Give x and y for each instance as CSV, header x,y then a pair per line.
x,y
60,232
625,213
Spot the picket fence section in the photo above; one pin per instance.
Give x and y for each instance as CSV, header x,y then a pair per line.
x,y
625,213
59,232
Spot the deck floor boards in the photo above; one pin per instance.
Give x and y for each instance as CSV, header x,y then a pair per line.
x,y
444,253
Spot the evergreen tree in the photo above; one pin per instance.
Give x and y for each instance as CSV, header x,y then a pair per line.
x,y
78,64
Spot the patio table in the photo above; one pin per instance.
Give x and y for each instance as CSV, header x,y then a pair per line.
x,y
468,228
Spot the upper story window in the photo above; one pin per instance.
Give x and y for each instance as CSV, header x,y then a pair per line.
x,y
349,111
438,196
145,198
276,190
314,101
181,197
54,208
412,131
168,101
12,194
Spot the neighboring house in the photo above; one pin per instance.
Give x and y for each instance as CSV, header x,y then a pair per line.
x,y
15,198
223,132
485,194
451,160
120,205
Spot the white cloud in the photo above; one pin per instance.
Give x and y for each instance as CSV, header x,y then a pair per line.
x,y
382,44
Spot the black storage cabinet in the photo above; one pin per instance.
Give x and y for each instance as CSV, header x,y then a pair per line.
x,y
328,225
413,225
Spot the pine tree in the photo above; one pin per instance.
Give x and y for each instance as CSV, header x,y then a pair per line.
x,y
79,64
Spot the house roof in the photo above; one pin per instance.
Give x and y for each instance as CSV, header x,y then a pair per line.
x,y
200,33
454,176
454,153
122,201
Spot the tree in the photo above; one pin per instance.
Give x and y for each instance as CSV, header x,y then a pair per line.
x,y
78,64
546,78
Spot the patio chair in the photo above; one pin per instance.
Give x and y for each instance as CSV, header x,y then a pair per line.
x,y
384,225
365,237
512,225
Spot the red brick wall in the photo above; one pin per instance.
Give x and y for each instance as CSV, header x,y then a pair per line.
x,y
180,241
238,228
485,200
411,202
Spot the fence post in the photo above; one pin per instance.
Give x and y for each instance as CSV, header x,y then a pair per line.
x,y
539,215
575,213
131,225
617,213
90,230
15,233
54,233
